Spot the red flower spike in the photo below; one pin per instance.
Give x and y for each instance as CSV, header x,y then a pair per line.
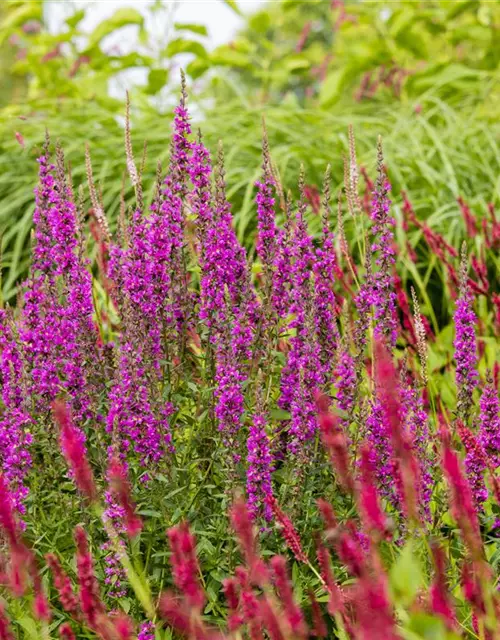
x,y
67,597
270,620
185,565
327,513
374,615
470,220
283,585
471,587
5,630
335,442
121,490
170,609
73,448
249,604
7,517
288,532
319,628
374,519
90,600
41,609
461,501
335,602
123,627
387,380
439,598
66,632
231,591
350,553
244,528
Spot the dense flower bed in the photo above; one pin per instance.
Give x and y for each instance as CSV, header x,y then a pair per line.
x,y
302,381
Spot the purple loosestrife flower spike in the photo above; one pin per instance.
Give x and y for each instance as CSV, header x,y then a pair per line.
x,y
15,421
115,573
302,375
346,381
362,301
200,171
379,438
415,424
229,377
489,422
465,344
139,421
475,465
223,260
383,297
57,327
324,297
166,274
259,462
266,225
282,276
153,302
230,308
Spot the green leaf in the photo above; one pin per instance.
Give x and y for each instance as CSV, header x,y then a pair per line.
x,y
232,5
157,79
296,63
197,68
457,8
76,18
180,45
200,29
29,626
428,627
16,17
228,56
119,19
332,87
406,575
279,414
260,22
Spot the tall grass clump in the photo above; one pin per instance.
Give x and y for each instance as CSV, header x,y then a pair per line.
x,y
322,455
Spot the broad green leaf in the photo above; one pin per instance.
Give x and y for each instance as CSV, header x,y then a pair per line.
x,y
332,87
296,63
157,79
197,68
427,627
232,5
228,56
280,414
401,21
180,45
406,575
413,41
200,29
29,626
260,22
119,19
75,19
459,7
